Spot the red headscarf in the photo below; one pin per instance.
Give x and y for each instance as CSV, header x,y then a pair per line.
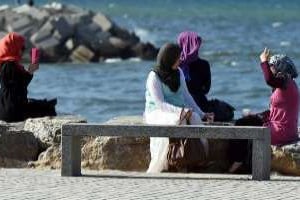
x,y
10,48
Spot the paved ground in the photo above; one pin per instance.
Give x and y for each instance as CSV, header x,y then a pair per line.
x,y
45,184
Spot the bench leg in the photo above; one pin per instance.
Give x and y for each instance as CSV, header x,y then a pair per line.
x,y
261,160
71,156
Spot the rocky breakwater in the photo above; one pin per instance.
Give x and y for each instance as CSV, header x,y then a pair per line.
x,y
66,33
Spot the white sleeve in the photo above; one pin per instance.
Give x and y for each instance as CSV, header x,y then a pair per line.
x,y
188,98
154,87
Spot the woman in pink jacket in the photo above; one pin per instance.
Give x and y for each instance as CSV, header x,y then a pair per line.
x,y
279,72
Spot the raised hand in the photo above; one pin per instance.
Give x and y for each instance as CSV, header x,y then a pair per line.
x,y
32,68
264,56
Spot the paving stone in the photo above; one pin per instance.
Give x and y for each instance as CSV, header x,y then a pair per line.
x,y
37,184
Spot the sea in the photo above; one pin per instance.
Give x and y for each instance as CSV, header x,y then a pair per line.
x,y
234,33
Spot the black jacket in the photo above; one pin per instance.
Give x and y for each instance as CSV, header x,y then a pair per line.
x,y
13,92
200,82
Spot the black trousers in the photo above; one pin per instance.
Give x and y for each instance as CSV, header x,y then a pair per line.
x,y
40,108
241,150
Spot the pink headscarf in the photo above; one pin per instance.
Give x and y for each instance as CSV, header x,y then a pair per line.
x,y
189,43
10,48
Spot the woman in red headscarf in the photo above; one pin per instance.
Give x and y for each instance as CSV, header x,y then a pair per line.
x,y
14,79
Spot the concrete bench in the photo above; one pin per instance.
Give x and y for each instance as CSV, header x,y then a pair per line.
x,y
71,134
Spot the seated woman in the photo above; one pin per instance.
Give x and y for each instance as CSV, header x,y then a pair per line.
x,y
14,104
280,72
198,76
282,118
196,70
167,100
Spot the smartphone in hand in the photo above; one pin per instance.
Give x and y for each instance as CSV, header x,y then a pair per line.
x,y
35,55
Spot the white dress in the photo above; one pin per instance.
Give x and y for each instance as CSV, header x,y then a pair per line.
x,y
165,113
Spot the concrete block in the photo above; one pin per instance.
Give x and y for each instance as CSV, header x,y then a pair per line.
x,y
19,24
91,35
33,12
125,35
118,42
104,22
27,31
9,16
41,35
74,9
48,43
82,54
79,19
55,6
62,29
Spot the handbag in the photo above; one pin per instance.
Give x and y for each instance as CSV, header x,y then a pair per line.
x,y
185,153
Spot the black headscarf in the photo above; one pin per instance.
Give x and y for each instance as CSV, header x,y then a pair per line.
x,y
166,58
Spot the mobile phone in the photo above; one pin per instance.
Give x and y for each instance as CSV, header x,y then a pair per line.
x,y
35,55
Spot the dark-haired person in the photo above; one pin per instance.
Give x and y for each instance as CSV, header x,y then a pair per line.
x,y
14,78
167,100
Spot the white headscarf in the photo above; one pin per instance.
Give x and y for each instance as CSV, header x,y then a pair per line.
x,y
284,64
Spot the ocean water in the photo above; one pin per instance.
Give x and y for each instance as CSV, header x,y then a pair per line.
x,y
234,33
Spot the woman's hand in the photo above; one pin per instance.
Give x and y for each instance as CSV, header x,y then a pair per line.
x,y
209,117
32,68
185,114
264,56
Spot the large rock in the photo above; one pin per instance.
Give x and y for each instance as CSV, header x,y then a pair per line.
x,y
104,152
24,142
48,129
286,159
17,146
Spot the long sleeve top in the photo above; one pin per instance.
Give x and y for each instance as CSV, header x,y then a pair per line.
x,y
200,77
13,92
284,108
156,97
199,82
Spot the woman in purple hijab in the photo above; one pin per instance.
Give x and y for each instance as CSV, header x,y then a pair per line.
x,y
198,77
196,70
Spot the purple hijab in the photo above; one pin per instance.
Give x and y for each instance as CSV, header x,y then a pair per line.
x,y
189,43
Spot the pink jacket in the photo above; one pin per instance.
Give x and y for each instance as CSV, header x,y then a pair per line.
x,y
284,109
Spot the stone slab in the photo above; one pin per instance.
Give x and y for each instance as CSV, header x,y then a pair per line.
x,y
218,132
